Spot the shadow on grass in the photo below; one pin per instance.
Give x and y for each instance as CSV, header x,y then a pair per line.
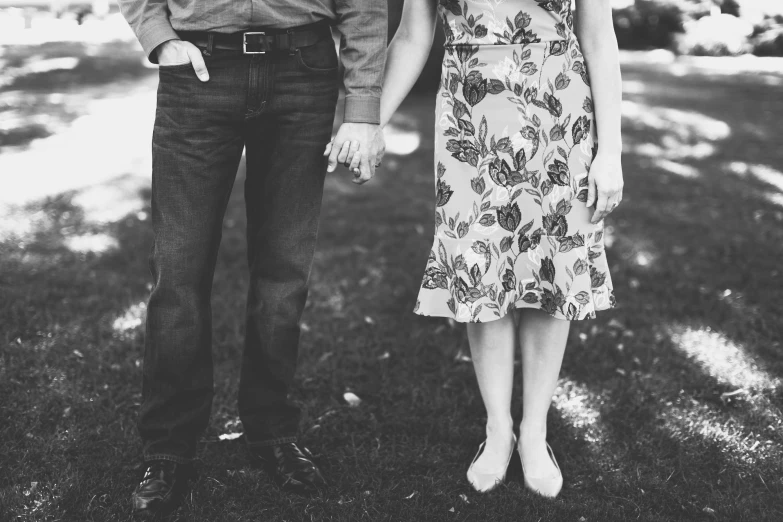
x,y
646,423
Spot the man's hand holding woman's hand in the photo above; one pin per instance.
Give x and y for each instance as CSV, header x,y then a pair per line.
x,y
180,52
358,146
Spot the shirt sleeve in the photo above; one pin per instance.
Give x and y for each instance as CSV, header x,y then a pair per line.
x,y
149,19
363,25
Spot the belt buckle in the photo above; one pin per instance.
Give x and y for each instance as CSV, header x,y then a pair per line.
x,y
244,42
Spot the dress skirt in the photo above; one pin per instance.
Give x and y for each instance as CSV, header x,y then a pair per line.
x,y
515,137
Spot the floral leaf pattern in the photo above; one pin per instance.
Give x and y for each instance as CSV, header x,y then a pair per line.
x,y
515,138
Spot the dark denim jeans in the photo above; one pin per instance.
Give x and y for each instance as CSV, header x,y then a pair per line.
x,y
280,107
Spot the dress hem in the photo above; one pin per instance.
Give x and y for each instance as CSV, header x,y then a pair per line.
x,y
517,306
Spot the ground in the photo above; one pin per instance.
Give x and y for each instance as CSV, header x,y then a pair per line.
x,y
669,406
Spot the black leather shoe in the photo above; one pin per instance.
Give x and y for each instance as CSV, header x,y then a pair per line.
x,y
291,467
162,488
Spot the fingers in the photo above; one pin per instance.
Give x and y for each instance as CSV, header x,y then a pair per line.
x,y
198,61
336,147
608,201
352,152
591,191
379,157
328,148
353,166
344,150
365,171
601,207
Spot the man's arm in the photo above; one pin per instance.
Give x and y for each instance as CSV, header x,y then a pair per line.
x,y
363,25
149,19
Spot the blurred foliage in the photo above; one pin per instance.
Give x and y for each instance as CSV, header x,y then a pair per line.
x,y
702,27
683,26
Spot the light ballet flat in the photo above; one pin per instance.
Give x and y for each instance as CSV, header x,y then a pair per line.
x,y
486,482
545,486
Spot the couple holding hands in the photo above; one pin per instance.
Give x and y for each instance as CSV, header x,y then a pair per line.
x,y
529,88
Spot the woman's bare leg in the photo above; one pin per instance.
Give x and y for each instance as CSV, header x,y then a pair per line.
x,y
492,350
542,341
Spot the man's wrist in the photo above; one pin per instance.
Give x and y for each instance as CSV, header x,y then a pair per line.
x,y
362,109
154,37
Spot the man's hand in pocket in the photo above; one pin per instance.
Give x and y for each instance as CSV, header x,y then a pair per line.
x,y
179,52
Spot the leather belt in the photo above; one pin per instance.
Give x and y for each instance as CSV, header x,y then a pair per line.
x,y
260,41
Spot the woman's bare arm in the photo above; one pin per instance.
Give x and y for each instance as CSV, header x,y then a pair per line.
x,y
407,54
405,59
595,32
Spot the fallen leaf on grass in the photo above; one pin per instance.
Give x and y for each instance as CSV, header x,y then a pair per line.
x,y
351,399
369,320
451,510
411,495
464,498
384,356
324,357
727,395
229,436
709,511
462,357
614,323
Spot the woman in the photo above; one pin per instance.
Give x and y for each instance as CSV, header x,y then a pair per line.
x,y
522,190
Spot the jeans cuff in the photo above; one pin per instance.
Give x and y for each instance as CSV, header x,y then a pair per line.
x,y
172,458
271,442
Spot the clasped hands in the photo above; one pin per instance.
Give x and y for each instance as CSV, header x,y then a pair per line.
x,y
358,146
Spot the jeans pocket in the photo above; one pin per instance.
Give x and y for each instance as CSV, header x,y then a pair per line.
x,y
175,67
318,58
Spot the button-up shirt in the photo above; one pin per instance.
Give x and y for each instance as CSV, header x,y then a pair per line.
x,y
362,24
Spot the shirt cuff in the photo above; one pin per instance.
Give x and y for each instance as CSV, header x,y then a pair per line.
x,y
362,109
154,36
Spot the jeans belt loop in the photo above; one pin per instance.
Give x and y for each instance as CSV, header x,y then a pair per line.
x,y
291,46
210,44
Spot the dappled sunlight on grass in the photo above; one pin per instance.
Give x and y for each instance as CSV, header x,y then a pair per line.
x,y
37,65
580,409
763,173
673,167
692,419
722,359
682,134
50,29
131,319
96,243
400,142
634,87
112,140
686,125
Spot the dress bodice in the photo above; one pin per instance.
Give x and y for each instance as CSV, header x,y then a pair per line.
x,y
503,22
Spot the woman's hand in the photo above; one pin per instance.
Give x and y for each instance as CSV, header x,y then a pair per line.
x,y
605,185
351,154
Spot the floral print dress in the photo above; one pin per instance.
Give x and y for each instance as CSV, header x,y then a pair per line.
x,y
514,139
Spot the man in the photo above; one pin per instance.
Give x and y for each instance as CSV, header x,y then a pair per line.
x,y
263,75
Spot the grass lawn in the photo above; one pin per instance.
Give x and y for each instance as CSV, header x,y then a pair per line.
x,y
669,406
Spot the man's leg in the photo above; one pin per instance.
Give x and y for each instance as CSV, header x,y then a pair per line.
x,y
197,145
283,194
